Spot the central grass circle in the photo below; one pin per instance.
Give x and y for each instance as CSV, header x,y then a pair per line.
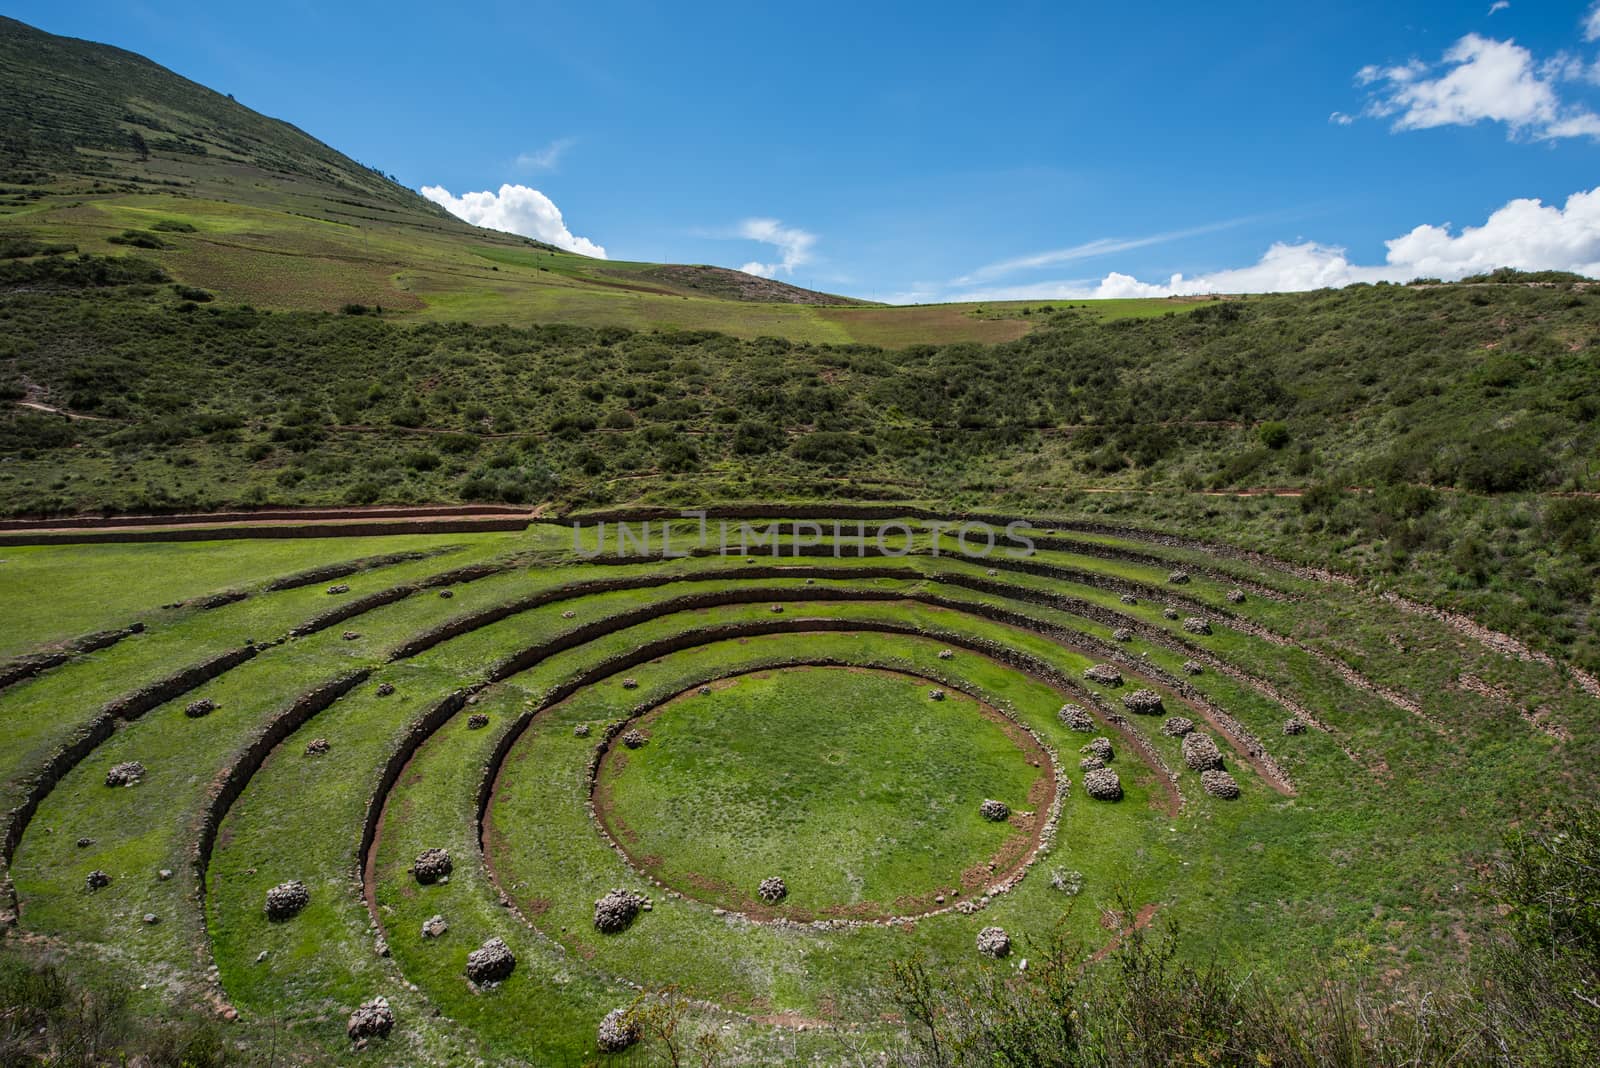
x,y
852,785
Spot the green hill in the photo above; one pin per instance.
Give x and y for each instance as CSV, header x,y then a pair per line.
x,y
100,147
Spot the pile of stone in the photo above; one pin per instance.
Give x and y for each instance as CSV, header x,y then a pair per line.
x,y
491,962
1177,727
936,695
1068,882
434,926
772,889
1100,747
1197,625
1091,763
618,1031
995,811
1104,674
1075,718
1122,634
569,614
994,942
634,739
1128,598
374,1019
1193,667
1236,596
385,689
1219,783
705,691
946,654
1201,753
477,721
286,900
1178,578
1143,702
431,866
617,909
317,747
447,594
1294,725
203,707
776,609
350,635
125,774
339,588
97,880
1102,784
1169,612
630,684
581,731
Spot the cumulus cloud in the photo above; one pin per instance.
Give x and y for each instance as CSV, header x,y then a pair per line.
x,y
515,209
1478,79
794,246
546,158
1525,234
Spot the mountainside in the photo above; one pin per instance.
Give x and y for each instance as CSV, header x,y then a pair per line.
x,y
101,149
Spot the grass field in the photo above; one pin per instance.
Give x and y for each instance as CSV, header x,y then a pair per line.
x,y
817,756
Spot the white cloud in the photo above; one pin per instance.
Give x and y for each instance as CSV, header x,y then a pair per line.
x,y
794,246
515,209
1339,118
1100,247
546,158
1499,5
1484,79
1525,234
1591,23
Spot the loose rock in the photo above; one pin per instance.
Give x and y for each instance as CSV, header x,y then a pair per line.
x,y
1102,784
477,721
203,707
617,909
286,900
1122,634
491,962
994,942
125,774
1104,674
581,731
1100,747
317,746
97,880
617,1032
630,684
1143,702
350,635
1197,625
634,739
1294,725
447,594
1236,596
385,689
1177,727
374,1019
1075,718
1128,598
339,588
1090,763
772,890
995,811
1178,578
1193,667
1219,783
936,695
946,654
431,865
1170,612
434,926
1201,753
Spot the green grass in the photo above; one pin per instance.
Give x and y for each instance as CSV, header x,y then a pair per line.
x,y
854,786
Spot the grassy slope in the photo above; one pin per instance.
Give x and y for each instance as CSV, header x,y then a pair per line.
x,y
95,141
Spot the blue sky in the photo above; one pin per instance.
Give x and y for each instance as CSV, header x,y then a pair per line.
x,y
936,151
